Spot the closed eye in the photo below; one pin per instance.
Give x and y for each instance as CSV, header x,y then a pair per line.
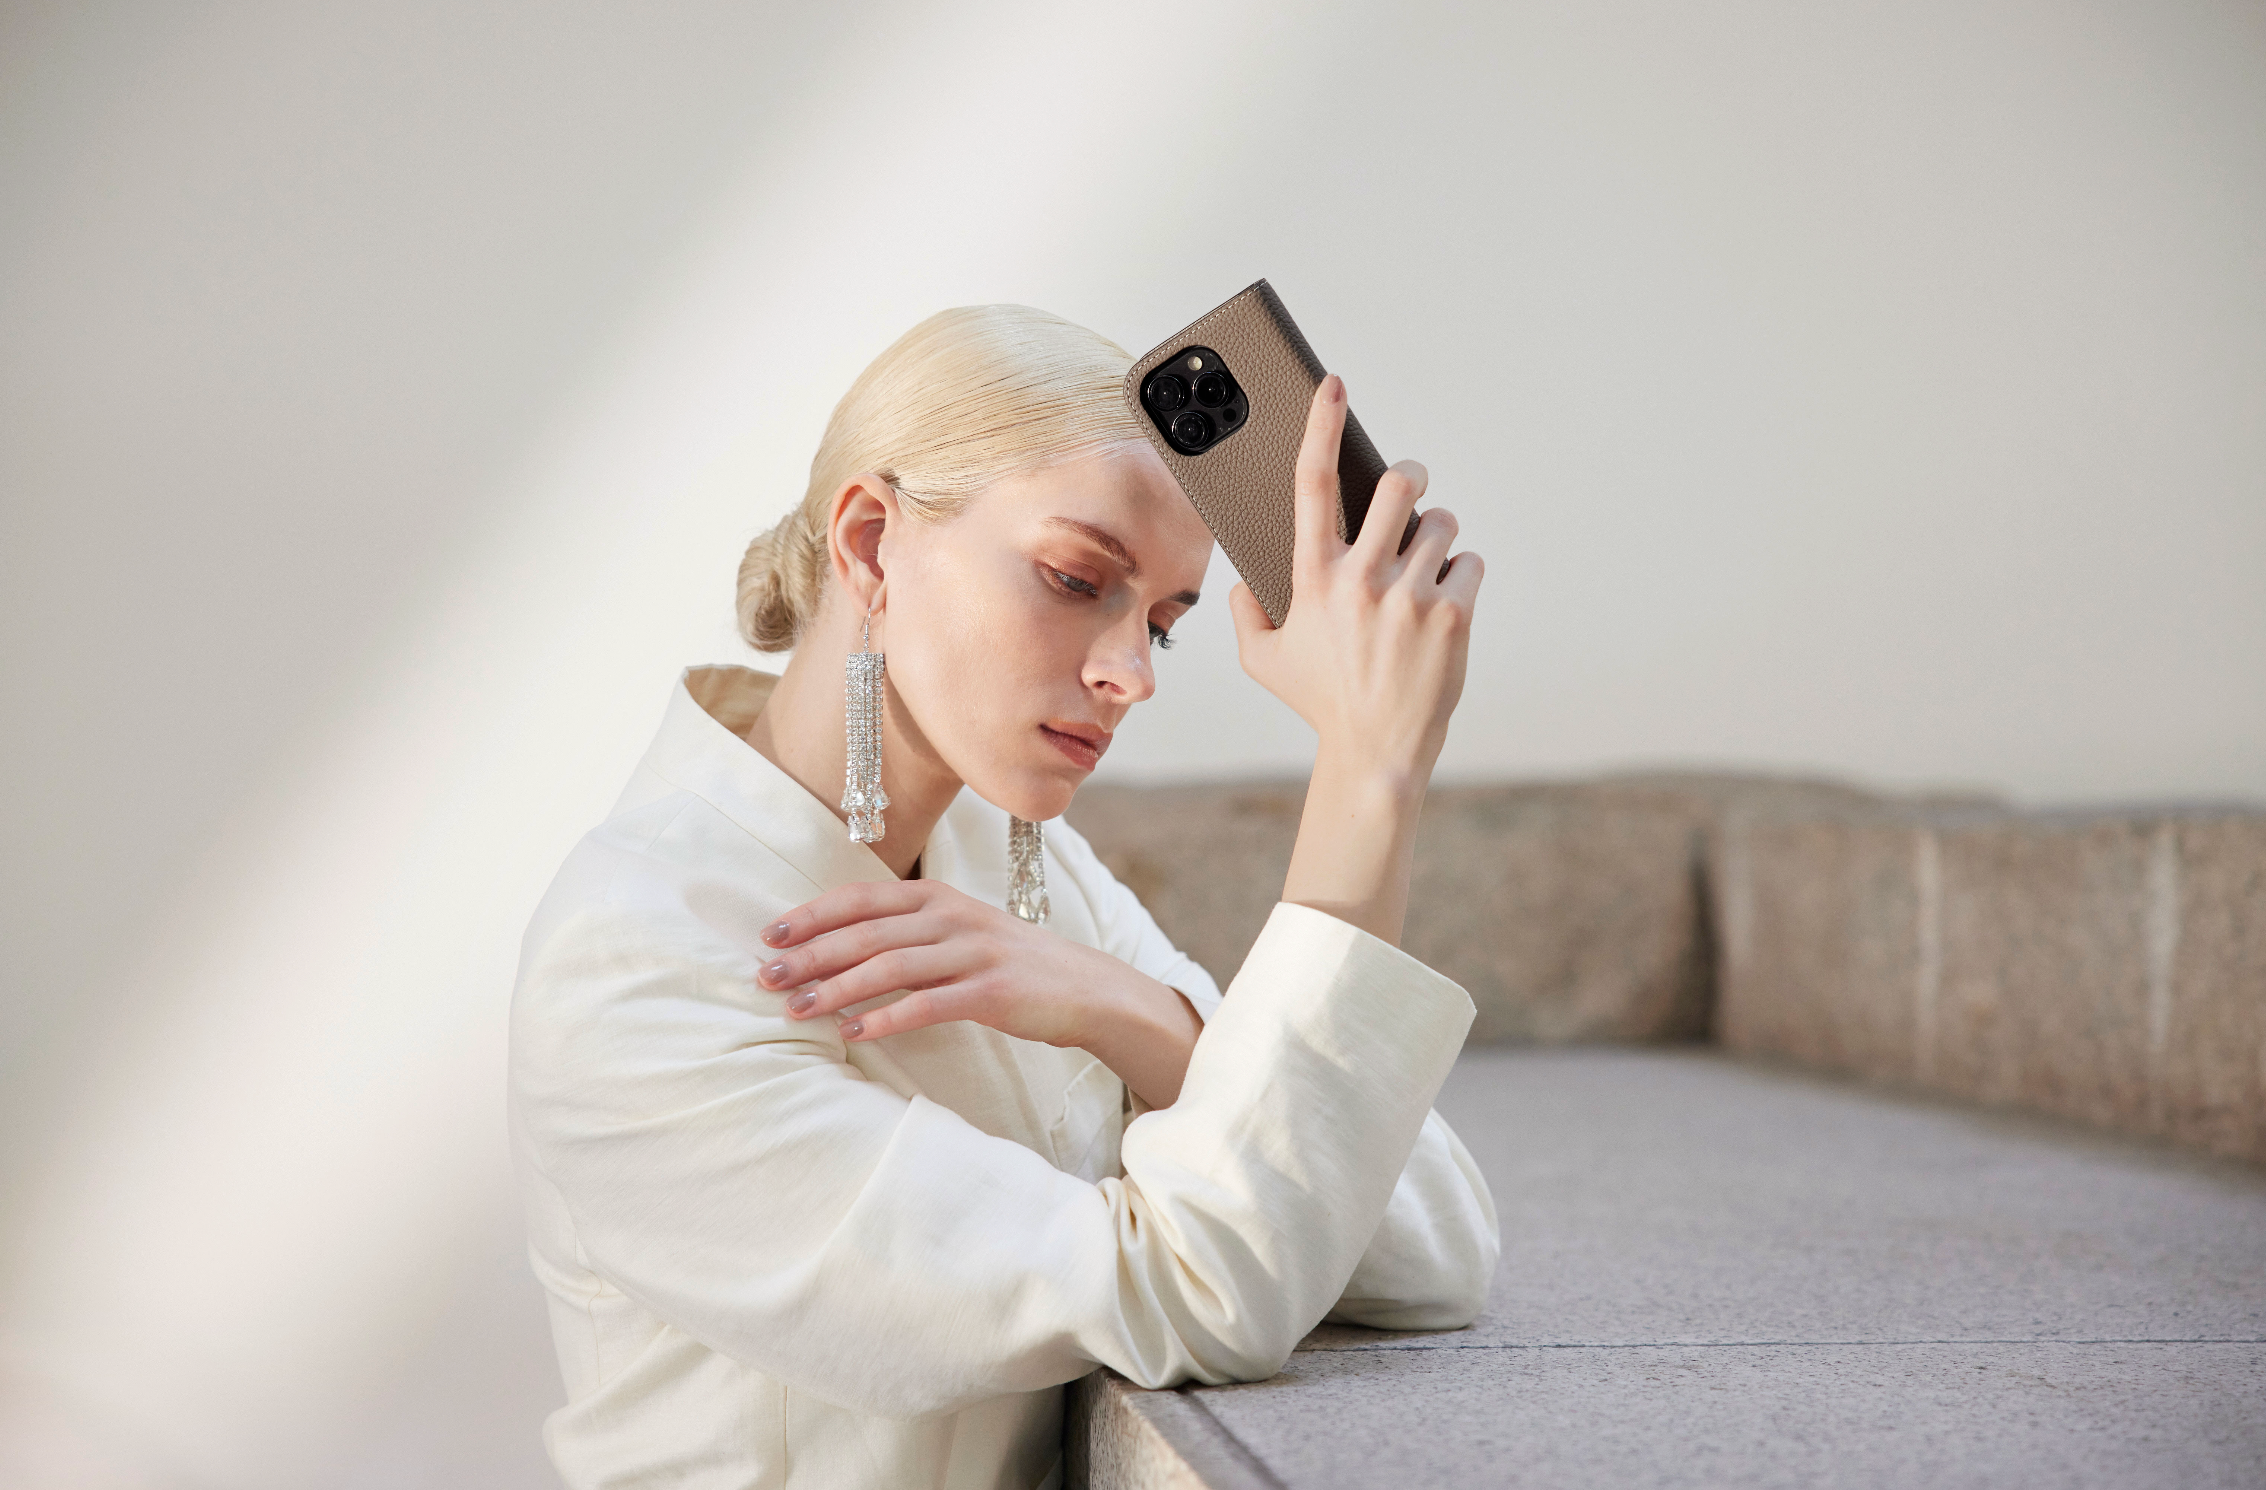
x,y
1072,585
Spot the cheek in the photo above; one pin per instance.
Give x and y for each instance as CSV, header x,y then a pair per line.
x,y
983,648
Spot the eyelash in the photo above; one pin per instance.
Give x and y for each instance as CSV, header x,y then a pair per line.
x,y
1158,636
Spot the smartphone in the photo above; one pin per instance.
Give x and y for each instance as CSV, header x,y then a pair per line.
x,y
1225,402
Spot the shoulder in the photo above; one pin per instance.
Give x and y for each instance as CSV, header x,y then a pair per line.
x,y
637,971
669,882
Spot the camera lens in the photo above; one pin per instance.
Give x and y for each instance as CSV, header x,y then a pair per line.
x,y
1228,416
1191,430
1211,390
1167,394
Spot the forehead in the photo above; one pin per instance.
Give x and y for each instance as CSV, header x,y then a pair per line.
x,y
1123,488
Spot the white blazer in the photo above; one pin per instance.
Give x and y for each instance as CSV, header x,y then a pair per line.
x,y
776,1258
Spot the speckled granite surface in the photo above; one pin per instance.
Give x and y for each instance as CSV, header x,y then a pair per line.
x,y
1717,1273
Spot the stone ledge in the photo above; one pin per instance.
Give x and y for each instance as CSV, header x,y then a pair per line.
x,y
2105,966
2108,967
1570,911
1718,1273
1120,1437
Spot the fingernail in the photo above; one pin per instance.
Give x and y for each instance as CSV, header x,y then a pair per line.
x,y
775,973
775,934
801,1002
1337,389
853,1029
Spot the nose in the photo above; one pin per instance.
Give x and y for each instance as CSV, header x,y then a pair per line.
x,y
1118,666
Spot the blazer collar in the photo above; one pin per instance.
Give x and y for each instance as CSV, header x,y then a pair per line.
x,y
703,748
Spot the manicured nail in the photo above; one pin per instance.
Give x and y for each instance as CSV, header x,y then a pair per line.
x,y
801,1002
1337,389
775,934
775,973
853,1029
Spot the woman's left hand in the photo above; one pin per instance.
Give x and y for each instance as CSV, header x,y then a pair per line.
x,y
959,958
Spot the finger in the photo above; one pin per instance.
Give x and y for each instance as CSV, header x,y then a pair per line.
x,y
1427,557
837,951
1249,615
1460,581
843,906
1315,490
916,1010
892,971
1398,491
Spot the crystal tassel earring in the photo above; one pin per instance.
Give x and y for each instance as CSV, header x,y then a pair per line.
x,y
1026,871
862,796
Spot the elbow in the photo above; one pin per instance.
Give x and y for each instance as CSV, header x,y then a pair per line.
x,y
1253,1360
1451,1297
1463,1295
1446,1313
1220,1353
1258,1345
1463,1278
1456,1307
1221,1365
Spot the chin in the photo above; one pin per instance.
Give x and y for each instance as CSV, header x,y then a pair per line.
x,y
1033,796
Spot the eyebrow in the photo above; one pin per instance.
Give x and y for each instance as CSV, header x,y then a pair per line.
x,y
1106,541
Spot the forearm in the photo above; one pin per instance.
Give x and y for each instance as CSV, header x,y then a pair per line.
x,y
1357,841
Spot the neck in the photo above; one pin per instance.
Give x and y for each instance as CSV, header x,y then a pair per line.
x,y
801,732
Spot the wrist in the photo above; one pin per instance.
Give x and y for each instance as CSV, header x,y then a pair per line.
x,y
1140,1028
1356,839
1368,779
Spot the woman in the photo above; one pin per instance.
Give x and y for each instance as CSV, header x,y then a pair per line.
x,y
800,1225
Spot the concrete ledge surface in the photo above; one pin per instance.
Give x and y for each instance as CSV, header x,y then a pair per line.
x,y
1716,1273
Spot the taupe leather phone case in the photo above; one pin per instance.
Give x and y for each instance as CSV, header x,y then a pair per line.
x,y
1241,475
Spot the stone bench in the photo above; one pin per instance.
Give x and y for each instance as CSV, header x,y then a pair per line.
x,y
1722,1273
2108,966
1714,1273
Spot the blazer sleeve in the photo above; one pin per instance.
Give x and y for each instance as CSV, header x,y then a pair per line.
x,y
1430,1262
725,1167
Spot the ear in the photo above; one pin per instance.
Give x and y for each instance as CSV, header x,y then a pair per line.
x,y
863,512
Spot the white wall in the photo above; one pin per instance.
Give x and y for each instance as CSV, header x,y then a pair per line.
x,y
385,400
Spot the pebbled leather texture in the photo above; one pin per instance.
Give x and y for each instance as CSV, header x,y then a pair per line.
x,y
1243,487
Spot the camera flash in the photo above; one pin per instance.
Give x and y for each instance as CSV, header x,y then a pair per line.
x,y
1195,364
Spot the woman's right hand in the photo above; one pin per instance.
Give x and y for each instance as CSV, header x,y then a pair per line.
x,y
1372,652
1372,655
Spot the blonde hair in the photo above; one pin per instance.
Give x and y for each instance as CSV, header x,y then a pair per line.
x,y
965,398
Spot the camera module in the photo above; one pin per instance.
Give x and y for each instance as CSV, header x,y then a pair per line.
x,y
1198,403
1168,394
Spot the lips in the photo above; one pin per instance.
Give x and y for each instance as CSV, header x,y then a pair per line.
x,y
1082,743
